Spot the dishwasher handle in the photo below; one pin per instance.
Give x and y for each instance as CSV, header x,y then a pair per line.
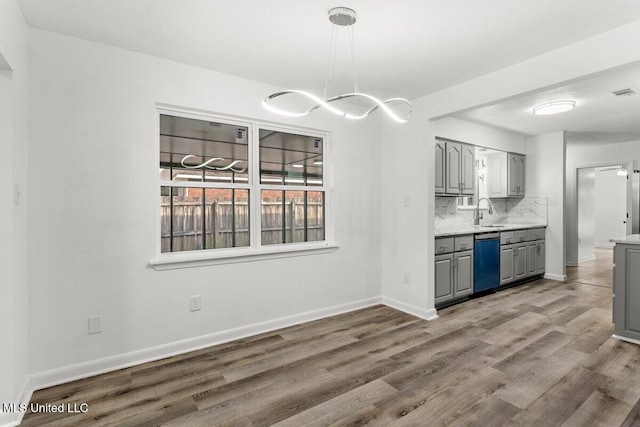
x,y
487,236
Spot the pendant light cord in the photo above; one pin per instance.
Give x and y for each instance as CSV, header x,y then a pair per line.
x,y
332,52
356,89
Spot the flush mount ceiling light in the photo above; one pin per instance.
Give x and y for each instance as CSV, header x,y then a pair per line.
x,y
341,17
554,107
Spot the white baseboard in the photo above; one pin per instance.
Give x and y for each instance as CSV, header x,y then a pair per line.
x,y
556,277
587,258
24,397
631,340
78,371
90,368
571,264
427,314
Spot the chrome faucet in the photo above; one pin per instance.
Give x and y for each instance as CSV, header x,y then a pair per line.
x,y
477,215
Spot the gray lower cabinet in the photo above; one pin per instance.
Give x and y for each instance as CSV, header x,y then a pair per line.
x,y
453,276
519,261
463,274
506,264
541,258
626,291
444,278
535,258
523,259
532,266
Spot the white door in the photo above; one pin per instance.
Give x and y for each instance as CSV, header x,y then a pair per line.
x,y
586,213
610,206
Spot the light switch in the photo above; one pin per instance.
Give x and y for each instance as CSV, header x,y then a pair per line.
x,y
95,325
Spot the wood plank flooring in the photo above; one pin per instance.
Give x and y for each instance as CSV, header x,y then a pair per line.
x,y
536,355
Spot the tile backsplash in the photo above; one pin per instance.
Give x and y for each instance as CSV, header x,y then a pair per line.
x,y
528,210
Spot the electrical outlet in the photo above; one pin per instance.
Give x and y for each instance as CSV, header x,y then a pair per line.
x,y
195,303
406,278
406,201
95,325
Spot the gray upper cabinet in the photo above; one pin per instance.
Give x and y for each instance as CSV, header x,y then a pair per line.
x,y
505,174
515,175
497,174
453,159
454,168
468,170
440,147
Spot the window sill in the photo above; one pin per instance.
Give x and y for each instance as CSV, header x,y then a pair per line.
x,y
191,259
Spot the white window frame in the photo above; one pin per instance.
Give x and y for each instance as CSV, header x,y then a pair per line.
x,y
255,251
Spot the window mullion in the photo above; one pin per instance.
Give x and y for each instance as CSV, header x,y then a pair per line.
x,y
256,192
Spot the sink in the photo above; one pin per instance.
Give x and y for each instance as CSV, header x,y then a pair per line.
x,y
494,226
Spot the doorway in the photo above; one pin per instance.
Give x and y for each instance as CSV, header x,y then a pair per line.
x,y
603,207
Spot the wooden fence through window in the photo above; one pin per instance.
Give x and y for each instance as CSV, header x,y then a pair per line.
x,y
224,228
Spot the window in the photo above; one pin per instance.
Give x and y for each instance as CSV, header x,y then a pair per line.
x,y
214,196
292,208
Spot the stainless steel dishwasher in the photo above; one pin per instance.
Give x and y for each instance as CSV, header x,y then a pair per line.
x,y
486,268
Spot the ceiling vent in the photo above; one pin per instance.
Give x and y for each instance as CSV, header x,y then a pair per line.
x,y
624,92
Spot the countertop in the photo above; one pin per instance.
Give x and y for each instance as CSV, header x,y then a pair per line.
x,y
631,239
493,228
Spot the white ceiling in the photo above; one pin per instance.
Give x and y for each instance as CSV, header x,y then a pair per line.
x,y
599,116
404,48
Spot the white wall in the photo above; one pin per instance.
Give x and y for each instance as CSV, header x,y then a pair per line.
x,y
93,213
482,136
580,156
610,207
13,286
586,216
545,177
91,114
407,234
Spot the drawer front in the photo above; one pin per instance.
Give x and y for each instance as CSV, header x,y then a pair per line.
x,y
507,237
521,236
536,234
463,243
444,245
